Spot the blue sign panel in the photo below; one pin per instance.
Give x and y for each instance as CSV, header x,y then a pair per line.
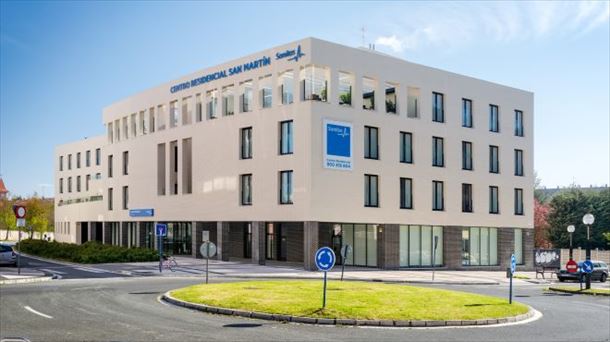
x,y
294,54
161,229
142,212
513,263
325,259
338,144
587,266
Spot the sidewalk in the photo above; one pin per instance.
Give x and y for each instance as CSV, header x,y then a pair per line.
x,y
8,275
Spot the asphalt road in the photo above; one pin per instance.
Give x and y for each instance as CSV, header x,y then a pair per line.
x,y
127,309
64,271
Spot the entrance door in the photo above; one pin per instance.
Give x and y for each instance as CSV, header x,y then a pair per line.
x,y
84,232
99,231
283,245
247,240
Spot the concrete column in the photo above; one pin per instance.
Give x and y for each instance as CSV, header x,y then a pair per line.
x,y
223,240
506,246
107,233
124,231
388,247
528,249
452,247
258,242
311,233
195,239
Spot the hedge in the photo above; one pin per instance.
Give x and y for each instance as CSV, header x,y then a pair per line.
x,y
91,252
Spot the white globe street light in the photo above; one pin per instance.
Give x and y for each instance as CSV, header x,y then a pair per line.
x,y
571,228
588,219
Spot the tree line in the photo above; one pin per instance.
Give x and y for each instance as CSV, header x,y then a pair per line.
x,y
39,215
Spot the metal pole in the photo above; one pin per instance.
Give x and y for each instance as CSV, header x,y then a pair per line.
x,y
160,239
571,249
510,291
324,296
342,269
207,261
588,257
18,253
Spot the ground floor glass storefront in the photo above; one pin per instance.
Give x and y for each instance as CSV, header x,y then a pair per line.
x,y
363,239
417,246
178,239
479,246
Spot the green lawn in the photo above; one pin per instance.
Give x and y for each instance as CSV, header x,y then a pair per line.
x,y
350,300
576,289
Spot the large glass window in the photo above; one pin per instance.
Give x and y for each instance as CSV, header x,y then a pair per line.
x,y
174,112
266,95
406,193
98,156
246,143
247,96
186,111
371,142
406,147
61,163
494,118
518,239
369,86
371,191
518,201
109,198
466,198
212,103
125,198
518,162
228,102
438,107
286,80
110,166
198,108
88,158
412,102
363,239
346,83
417,246
286,187
466,113
246,189
479,246
518,123
438,154
466,155
494,159
438,198
494,207
78,160
314,83
286,137
77,183
391,101
125,163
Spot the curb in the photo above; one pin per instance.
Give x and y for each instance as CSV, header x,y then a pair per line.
x,y
25,280
345,322
67,263
376,280
577,292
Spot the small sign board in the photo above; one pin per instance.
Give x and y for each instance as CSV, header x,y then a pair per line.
x,y
19,211
513,263
325,259
572,266
205,235
141,212
207,249
587,266
161,230
20,222
345,251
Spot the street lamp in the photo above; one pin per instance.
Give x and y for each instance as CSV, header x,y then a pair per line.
x,y
588,219
571,229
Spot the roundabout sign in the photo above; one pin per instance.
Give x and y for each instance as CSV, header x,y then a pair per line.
x,y
325,261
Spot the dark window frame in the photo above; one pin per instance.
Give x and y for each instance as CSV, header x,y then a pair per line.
x,y
435,144
467,205
467,115
494,120
438,114
290,136
368,199
494,164
245,153
435,185
245,200
367,136
406,157
290,187
403,181
494,201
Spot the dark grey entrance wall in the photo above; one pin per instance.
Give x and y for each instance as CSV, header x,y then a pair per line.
x,y
196,236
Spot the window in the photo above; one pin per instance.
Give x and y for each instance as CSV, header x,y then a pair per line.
x,y
466,155
125,197
286,140
466,198
187,112
109,198
142,120
61,185
412,102
77,183
246,143
247,96
198,108
417,246
286,80
212,103
78,160
371,141
69,184
161,169
117,130
494,162
363,238
69,162
314,83
125,128
438,155
266,94
479,246
346,82
438,197
466,113
390,98
518,163
368,93
518,240
228,103
406,193
151,119
406,147
518,123
98,156
125,163
494,207
494,119
61,163
518,201
174,113
246,189
134,125
87,158
110,131
286,187
371,192
87,180
161,117
187,166
173,166
98,176
438,107
110,166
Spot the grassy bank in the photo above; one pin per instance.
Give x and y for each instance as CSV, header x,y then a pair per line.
x,y
351,300
91,252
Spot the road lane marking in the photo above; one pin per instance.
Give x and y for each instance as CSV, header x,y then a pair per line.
x,y
36,312
87,269
51,271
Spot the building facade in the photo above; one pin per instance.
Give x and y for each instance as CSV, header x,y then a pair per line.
x,y
311,144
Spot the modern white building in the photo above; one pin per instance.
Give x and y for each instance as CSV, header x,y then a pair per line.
x,y
309,144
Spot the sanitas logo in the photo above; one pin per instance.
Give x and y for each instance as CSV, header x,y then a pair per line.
x,y
338,131
294,54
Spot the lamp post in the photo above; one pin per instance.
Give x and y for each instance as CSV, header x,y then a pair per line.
x,y
588,219
571,229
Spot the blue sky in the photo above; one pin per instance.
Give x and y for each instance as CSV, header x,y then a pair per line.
x,y
62,62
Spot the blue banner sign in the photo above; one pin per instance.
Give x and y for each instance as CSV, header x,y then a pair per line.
x,y
142,212
294,54
338,144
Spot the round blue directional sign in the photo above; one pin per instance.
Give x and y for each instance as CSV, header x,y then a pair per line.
x,y
587,266
325,259
513,263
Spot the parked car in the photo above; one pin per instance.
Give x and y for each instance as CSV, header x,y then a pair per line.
x,y
7,255
600,272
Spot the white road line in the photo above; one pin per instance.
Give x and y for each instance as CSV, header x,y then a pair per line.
x,y
51,271
36,312
87,269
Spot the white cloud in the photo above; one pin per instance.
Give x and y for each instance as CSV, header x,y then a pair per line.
x,y
452,25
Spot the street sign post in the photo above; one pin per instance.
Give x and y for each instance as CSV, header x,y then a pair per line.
x,y
325,261
345,251
207,250
513,266
587,266
160,232
205,235
571,266
20,212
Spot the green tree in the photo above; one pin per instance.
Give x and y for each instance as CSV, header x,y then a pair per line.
x,y
37,216
8,221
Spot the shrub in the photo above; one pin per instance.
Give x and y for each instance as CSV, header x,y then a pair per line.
x,y
91,252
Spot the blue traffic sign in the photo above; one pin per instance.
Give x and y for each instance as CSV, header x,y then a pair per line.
x,y
325,259
587,266
161,229
513,263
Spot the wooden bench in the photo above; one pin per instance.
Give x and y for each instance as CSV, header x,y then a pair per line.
x,y
542,270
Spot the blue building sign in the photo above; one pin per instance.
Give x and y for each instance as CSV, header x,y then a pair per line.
x,y
141,212
294,54
338,144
